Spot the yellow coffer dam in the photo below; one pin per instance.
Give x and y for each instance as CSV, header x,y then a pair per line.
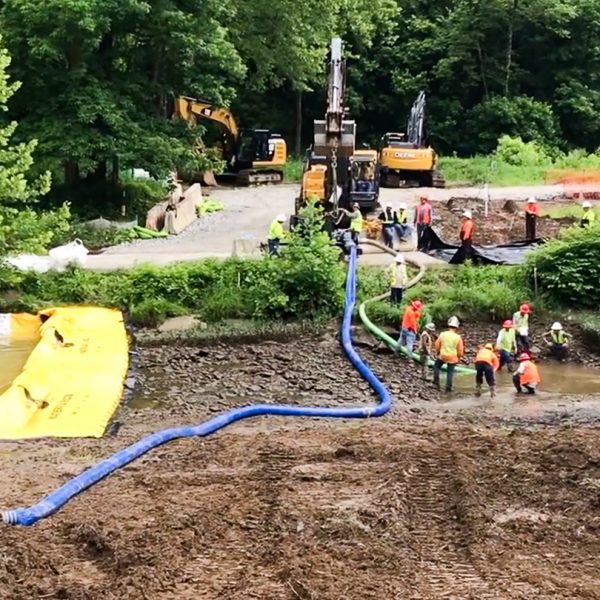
x,y
72,382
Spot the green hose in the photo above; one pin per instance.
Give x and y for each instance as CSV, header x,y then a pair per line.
x,y
382,335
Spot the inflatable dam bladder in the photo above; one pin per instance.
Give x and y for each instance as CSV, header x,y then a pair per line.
x,y
72,381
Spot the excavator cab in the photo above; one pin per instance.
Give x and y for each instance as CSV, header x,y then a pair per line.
x,y
363,178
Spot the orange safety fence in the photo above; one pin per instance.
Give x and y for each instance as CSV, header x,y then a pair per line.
x,y
577,183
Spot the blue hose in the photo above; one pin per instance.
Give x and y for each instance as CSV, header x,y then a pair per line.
x,y
54,501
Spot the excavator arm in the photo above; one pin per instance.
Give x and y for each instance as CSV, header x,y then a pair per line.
x,y
415,132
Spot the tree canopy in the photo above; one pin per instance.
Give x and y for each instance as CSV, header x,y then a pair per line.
x,y
97,74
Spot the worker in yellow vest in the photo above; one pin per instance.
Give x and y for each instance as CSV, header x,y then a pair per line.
x,y
506,343
450,349
276,234
356,221
557,341
589,216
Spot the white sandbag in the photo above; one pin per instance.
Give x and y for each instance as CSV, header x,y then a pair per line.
x,y
73,253
29,262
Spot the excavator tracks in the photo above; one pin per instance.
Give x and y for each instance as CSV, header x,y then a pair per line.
x,y
256,177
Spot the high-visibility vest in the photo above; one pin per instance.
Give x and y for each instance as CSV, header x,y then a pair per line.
x,y
388,217
402,218
466,230
449,346
589,218
276,231
487,356
398,275
506,340
530,373
520,320
410,319
357,221
558,337
532,209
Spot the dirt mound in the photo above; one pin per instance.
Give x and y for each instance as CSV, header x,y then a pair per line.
x,y
504,222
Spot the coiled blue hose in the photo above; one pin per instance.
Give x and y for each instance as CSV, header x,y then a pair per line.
x,y
54,501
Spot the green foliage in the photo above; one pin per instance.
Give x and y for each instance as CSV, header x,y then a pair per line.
x,y
516,152
568,268
471,292
152,311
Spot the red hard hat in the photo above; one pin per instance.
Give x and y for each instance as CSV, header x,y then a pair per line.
x,y
417,304
507,323
424,198
525,308
524,356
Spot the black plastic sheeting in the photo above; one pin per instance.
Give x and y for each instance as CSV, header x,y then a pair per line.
x,y
505,254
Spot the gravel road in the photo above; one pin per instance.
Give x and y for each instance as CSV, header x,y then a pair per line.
x,y
249,212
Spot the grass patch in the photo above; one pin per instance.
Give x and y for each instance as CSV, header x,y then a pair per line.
x,y
292,172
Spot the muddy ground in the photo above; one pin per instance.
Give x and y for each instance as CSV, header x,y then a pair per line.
x,y
504,223
442,498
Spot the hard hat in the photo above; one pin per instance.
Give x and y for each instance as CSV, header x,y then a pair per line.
x,y
281,218
402,206
587,204
489,346
388,205
399,258
507,323
525,308
417,304
556,326
430,326
531,200
524,356
424,198
453,322
355,205
468,214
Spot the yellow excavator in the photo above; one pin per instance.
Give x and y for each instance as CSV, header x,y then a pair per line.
x,y
335,172
252,155
406,157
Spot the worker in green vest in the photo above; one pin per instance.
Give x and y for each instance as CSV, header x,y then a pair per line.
x,y
276,234
557,341
589,216
356,221
506,344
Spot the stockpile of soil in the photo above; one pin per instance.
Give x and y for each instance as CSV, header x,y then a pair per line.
x,y
408,506
504,223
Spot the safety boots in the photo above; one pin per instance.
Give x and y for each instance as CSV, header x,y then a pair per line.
x,y
492,391
478,390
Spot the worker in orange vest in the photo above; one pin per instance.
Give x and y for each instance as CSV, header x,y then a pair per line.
x,y
423,220
532,212
410,326
486,365
450,349
467,229
527,377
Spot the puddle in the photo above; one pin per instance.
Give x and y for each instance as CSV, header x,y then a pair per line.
x,y
13,357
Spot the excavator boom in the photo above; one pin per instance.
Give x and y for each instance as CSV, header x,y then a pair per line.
x,y
188,109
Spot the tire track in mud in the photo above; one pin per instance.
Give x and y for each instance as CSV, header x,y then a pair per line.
x,y
448,566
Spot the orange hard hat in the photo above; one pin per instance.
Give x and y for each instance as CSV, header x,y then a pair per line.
x,y
417,304
525,308
507,323
524,356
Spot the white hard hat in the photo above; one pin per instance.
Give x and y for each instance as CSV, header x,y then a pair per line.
x,y
468,214
399,258
388,205
532,200
587,204
430,326
453,322
402,206
281,218
556,326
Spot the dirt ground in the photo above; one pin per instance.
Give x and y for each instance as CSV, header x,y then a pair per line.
x,y
504,223
443,498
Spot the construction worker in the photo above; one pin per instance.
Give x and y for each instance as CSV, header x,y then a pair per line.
x,y
409,327
467,229
589,216
450,349
486,365
423,220
527,378
557,341
521,324
506,343
403,229
388,220
532,213
276,234
356,221
398,279
426,348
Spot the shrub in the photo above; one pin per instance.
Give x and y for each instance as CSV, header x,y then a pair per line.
x,y
568,268
514,151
